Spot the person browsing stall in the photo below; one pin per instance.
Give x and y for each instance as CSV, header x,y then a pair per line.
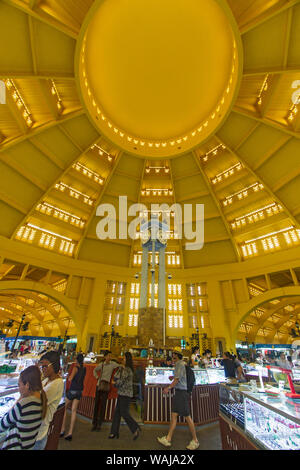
x,y
74,394
106,369
53,386
195,357
22,422
123,380
180,403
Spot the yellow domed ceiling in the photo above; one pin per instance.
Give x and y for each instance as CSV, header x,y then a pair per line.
x,y
159,77
58,162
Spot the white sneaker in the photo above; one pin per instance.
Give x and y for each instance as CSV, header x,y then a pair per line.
x,y
193,445
164,441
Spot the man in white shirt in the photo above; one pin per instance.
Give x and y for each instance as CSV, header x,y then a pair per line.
x,y
53,386
106,369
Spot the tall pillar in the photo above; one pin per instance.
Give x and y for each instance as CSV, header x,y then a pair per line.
x,y
153,274
162,278
144,279
162,287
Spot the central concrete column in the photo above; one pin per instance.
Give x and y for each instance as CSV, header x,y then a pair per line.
x,y
144,279
162,278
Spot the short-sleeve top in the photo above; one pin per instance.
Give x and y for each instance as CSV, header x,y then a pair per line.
x,y
180,374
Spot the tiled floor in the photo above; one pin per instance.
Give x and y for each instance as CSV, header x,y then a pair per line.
x,y
84,439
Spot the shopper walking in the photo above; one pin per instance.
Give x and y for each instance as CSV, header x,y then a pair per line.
x,y
53,386
74,394
123,380
180,403
106,369
22,423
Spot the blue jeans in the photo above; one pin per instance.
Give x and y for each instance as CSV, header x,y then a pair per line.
x,y
40,445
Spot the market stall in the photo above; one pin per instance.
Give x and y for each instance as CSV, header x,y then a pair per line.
x,y
204,400
258,420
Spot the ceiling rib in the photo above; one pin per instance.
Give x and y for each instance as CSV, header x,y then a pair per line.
x,y
266,121
43,18
217,202
138,202
32,45
38,130
51,187
270,70
175,202
269,14
260,180
98,201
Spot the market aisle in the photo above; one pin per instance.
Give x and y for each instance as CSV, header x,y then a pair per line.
x,y
83,439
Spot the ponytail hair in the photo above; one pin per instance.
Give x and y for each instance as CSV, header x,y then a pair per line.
x,y
32,377
80,359
129,361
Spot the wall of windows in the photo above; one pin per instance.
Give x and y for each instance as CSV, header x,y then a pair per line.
x,y
197,303
175,317
114,304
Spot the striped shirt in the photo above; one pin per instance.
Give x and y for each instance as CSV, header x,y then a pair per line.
x,y
21,424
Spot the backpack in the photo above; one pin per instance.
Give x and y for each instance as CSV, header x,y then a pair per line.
x,y
190,379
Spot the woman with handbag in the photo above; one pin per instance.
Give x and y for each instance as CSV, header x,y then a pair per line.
x,y
123,380
106,369
74,394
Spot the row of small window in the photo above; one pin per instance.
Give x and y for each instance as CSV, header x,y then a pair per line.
x,y
174,321
196,289
173,289
172,260
60,214
118,302
175,305
113,287
195,305
46,240
118,319
274,242
193,322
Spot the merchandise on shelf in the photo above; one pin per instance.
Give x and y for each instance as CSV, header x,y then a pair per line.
x,y
273,430
10,369
271,423
232,405
253,370
162,376
6,403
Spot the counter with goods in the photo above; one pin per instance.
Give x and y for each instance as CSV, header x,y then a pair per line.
x,y
252,371
257,420
204,399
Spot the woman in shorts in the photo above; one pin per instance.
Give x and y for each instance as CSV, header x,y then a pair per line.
x,y
74,394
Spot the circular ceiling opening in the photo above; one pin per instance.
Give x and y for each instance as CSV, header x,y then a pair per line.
x,y
158,78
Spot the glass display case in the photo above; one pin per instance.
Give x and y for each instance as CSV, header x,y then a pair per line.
x,y
270,423
7,401
10,370
232,404
164,376
296,375
252,370
216,376
273,423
